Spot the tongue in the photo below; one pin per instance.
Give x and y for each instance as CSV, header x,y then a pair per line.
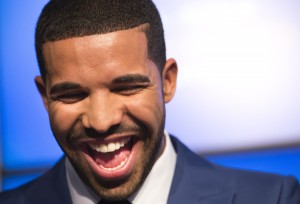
x,y
112,159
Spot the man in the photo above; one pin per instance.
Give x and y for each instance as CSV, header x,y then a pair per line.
x,y
104,82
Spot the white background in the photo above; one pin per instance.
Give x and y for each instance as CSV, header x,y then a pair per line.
x,y
239,72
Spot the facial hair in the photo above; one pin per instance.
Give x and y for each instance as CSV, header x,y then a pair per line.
x,y
121,189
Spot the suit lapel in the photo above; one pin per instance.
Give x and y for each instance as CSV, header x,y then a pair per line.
x,y
197,181
60,184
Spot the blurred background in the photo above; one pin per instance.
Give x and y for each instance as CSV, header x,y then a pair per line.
x,y
238,94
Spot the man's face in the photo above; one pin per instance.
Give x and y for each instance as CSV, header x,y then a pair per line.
x,y
105,101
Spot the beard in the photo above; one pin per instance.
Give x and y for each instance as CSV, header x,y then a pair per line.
x,y
149,151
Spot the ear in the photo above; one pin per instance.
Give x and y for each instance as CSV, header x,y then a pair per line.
x,y
40,84
169,79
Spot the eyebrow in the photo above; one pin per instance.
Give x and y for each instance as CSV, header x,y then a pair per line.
x,y
63,87
131,78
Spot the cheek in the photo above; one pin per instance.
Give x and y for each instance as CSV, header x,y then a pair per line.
x,y
148,108
62,118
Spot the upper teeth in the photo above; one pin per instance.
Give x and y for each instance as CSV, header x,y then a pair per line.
x,y
110,147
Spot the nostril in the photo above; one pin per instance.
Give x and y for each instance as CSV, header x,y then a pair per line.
x,y
90,132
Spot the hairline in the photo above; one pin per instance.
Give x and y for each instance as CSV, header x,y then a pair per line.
x,y
139,28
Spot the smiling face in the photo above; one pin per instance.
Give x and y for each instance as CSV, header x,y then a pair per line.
x,y
105,101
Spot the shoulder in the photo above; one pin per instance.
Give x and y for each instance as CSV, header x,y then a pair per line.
x,y
196,172
11,196
24,193
48,188
267,187
259,182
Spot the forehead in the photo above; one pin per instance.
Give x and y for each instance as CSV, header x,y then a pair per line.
x,y
116,50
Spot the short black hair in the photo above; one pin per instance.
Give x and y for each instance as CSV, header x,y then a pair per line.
x,y
62,19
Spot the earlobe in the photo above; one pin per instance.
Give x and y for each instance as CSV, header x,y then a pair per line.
x,y
169,79
39,82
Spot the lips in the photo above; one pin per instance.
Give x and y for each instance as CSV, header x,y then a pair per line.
x,y
112,160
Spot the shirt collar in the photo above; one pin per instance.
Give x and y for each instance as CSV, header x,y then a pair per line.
x,y
155,188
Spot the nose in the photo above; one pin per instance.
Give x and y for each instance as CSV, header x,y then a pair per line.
x,y
102,111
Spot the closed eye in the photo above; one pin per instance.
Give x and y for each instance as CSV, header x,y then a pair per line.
x,y
129,89
130,84
67,92
69,98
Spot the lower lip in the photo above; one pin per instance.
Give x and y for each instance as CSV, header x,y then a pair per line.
x,y
117,174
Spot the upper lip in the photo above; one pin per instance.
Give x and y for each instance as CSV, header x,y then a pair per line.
x,y
108,139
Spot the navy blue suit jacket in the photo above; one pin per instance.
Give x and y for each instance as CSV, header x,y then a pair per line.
x,y
195,181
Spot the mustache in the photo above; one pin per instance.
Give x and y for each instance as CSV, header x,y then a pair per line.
x,y
80,132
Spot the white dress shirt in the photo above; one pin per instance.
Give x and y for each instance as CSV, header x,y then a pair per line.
x,y
155,189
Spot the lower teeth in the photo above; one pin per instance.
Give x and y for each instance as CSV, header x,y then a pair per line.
x,y
115,168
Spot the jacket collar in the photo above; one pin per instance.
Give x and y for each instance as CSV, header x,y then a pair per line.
x,y
198,181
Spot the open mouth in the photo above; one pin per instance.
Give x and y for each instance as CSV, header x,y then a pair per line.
x,y
113,155
112,159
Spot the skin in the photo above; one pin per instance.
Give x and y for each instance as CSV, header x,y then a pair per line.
x,y
101,88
